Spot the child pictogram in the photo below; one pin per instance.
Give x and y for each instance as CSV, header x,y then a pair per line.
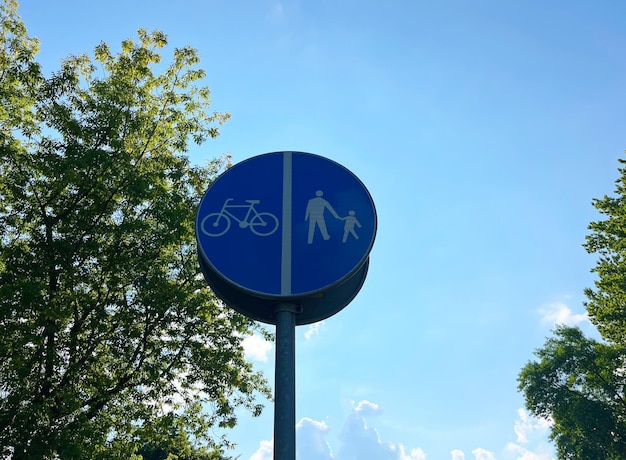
x,y
348,228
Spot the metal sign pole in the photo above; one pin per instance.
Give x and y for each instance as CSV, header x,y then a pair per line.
x,y
285,383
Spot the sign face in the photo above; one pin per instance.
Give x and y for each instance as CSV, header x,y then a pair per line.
x,y
286,225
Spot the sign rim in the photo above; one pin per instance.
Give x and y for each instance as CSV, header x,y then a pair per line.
x,y
266,295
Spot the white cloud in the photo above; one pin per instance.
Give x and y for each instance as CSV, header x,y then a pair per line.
x,y
356,440
417,454
256,347
479,454
366,408
311,440
559,313
314,329
265,452
482,454
310,443
457,455
525,425
517,452
359,441
531,438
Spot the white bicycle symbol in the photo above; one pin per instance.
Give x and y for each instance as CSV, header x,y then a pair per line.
x,y
259,223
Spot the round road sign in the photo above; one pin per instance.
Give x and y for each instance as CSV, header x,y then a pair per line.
x,y
286,226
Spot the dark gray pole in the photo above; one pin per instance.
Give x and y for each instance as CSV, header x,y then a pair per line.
x,y
285,383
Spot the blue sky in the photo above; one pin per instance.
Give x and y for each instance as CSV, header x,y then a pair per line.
x,y
482,129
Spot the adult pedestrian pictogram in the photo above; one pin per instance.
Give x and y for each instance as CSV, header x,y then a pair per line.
x,y
260,223
316,217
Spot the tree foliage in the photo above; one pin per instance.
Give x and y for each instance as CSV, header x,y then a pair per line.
x,y
580,383
19,72
607,302
111,341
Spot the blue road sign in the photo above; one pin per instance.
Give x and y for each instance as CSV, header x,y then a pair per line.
x,y
286,225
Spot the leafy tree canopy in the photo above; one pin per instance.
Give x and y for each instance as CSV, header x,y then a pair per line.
x,y
580,383
112,344
607,302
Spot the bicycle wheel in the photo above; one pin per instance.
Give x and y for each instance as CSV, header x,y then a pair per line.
x,y
263,224
215,224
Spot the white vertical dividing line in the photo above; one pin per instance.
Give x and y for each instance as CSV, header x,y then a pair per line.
x,y
285,267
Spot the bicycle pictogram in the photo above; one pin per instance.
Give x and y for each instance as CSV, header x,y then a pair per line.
x,y
259,223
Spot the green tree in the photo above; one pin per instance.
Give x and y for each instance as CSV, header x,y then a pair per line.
x,y
110,337
19,72
607,303
580,383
